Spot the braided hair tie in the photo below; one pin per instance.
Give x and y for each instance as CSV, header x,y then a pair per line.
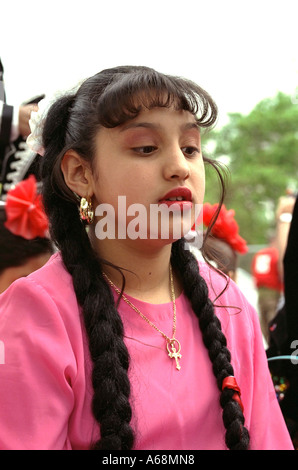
x,y
230,382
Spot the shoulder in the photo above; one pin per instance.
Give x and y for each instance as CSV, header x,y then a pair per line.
x,y
45,294
52,273
218,283
54,280
231,305
239,321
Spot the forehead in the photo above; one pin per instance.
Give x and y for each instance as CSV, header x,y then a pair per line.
x,y
161,117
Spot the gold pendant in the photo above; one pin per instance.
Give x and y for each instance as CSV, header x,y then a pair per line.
x,y
174,354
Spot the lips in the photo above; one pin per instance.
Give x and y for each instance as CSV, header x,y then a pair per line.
x,y
182,197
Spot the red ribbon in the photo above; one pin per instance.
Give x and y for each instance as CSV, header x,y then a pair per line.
x,y
25,214
230,382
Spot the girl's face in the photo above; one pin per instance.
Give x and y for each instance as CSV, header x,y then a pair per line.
x,y
142,162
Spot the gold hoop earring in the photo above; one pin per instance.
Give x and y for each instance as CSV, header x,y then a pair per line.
x,y
86,210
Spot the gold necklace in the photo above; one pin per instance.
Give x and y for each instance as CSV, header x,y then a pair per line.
x,y
173,345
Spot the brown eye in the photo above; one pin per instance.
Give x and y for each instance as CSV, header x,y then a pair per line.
x,y
190,151
146,150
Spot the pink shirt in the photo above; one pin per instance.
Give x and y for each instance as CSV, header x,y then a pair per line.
x,y
46,391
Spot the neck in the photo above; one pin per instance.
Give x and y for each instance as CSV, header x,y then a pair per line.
x,y
146,271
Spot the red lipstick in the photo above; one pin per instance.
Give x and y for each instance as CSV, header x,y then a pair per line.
x,y
179,197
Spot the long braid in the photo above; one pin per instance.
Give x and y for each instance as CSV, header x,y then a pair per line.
x,y
196,290
103,324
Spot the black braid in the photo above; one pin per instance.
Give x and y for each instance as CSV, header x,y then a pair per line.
x,y
196,290
103,324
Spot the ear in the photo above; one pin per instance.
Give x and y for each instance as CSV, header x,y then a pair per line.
x,y
77,173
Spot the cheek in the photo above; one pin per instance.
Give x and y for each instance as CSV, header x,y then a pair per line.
x,y
133,182
198,179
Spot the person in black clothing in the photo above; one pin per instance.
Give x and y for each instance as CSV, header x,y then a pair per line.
x,y
284,327
17,161
291,276
290,403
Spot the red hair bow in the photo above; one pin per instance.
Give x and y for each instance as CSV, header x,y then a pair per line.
x,y
24,211
225,227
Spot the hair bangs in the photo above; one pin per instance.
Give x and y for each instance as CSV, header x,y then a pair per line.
x,y
130,93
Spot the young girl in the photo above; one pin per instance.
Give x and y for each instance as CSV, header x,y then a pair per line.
x,y
124,341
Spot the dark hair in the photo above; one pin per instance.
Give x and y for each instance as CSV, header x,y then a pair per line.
x,y
15,250
108,99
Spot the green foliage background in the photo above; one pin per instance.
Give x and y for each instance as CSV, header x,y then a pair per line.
x,y
260,151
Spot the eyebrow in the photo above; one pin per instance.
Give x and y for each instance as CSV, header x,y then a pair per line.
x,y
133,125
191,125
150,125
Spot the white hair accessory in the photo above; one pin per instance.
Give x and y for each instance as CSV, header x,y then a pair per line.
x,y
36,123
37,119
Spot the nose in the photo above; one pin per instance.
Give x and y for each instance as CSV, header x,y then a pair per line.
x,y
176,165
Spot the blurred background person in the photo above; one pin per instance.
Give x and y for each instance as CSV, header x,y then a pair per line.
x,y
224,243
269,284
267,268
